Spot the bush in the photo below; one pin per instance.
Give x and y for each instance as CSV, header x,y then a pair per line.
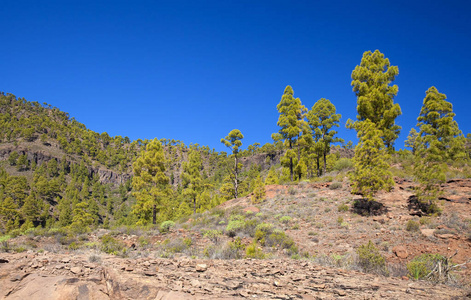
x,y
112,246
342,207
422,266
285,219
214,235
335,185
343,164
370,260
252,251
412,226
234,226
166,225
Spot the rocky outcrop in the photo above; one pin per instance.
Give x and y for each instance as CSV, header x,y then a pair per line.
x,y
57,276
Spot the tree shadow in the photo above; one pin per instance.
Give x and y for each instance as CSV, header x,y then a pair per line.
x,y
367,207
421,208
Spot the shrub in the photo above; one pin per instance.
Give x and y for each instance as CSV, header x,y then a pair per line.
x,y
166,225
422,266
214,235
370,260
252,251
343,164
292,191
233,227
342,207
425,221
285,219
335,185
412,225
112,246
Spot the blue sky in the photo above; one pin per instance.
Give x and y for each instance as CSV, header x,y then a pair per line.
x,y
194,70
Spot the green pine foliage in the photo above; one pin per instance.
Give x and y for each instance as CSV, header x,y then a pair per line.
x,y
322,118
439,141
291,122
371,82
150,184
233,142
371,172
258,191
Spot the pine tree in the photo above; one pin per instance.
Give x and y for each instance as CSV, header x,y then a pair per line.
x,y
439,141
272,177
191,177
321,118
291,123
411,141
150,184
233,141
371,82
258,191
371,168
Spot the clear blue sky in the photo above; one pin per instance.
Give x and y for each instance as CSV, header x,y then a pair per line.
x,y
194,70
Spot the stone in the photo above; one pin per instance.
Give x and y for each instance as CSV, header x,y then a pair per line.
x,y
400,251
427,232
201,267
76,270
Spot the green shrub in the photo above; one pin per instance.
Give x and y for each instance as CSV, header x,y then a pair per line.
x,y
213,234
166,225
425,221
370,260
4,238
252,251
342,207
285,219
335,185
343,164
292,191
422,265
74,246
112,246
234,226
339,220
412,226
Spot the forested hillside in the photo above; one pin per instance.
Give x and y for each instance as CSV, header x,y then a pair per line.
x,y
56,172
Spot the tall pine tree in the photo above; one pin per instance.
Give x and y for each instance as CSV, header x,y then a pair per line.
x,y
439,141
291,123
150,184
371,82
233,141
321,118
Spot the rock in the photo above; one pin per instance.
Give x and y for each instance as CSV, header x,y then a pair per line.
x,y
65,260
201,267
445,236
340,292
400,251
195,283
76,270
427,232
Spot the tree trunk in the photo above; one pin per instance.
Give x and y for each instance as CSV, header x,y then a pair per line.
x,y
291,162
154,214
325,161
236,182
194,205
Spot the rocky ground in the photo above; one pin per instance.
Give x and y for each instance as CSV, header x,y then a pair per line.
x,y
313,214
49,276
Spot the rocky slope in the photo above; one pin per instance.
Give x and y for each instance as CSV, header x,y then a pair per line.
x,y
326,234
49,276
